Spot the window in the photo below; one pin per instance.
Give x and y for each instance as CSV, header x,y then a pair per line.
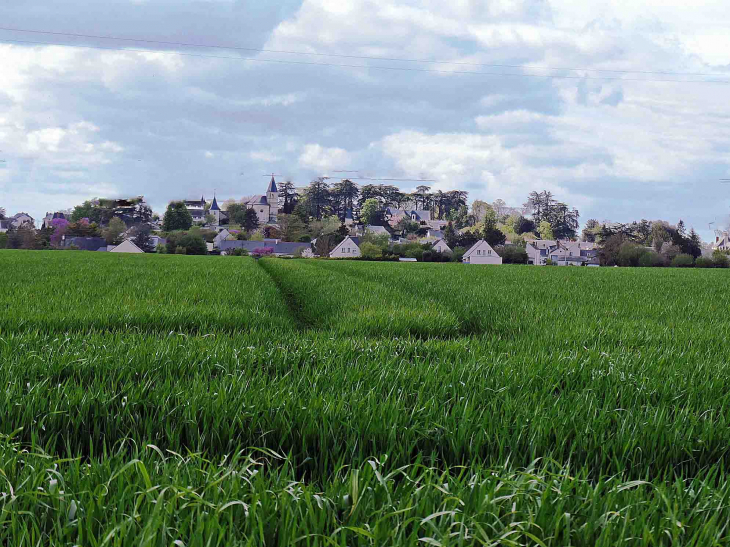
x,y
489,252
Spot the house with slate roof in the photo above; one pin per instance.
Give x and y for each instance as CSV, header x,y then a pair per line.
x,y
279,248
441,247
349,248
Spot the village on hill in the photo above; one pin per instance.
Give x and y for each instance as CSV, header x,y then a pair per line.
x,y
372,222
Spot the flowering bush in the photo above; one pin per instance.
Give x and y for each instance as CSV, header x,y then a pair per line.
x,y
258,252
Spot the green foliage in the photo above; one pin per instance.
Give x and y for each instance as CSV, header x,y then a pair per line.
x,y
193,400
177,217
458,253
3,240
719,258
650,259
370,250
161,249
194,244
704,262
513,254
683,261
369,211
545,230
113,232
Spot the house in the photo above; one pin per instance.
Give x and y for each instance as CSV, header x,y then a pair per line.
x,y
127,246
349,220
196,208
50,217
441,247
394,216
377,230
222,236
267,205
280,248
347,249
5,226
20,220
156,241
722,242
481,253
85,243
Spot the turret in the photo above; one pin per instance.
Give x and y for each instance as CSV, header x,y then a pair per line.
x,y
272,195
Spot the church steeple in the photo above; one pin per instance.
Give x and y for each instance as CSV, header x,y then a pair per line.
x,y
272,186
214,205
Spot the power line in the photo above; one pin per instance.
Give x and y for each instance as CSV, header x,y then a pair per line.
x,y
363,57
374,67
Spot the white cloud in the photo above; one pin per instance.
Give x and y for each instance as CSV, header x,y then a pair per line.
x,y
320,158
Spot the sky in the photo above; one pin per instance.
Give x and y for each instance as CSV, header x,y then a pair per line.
x,y
600,127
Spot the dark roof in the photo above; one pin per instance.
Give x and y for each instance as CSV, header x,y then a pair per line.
x,y
214,206
5,224
86,243
261,200
284,247
272,186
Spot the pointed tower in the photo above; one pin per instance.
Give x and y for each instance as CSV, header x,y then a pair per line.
x,y
215,211
272,196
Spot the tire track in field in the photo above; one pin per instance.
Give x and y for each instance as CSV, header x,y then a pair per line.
x,y
292,301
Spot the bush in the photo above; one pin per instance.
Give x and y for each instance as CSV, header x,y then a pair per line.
x,y
180,250
720,259
370,251
161,249
238,252
629,254
683,260
704,262
650,259
194,244
458,254
305,239
512,254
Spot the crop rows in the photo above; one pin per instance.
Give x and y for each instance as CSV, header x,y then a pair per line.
x,y
319,403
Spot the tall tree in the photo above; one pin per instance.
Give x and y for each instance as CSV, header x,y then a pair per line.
x,y
450,236
318,198
589,230
142,239
250,220
177,217
422,197
344,196
287,197
546,231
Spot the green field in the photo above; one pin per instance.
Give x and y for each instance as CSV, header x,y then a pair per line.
x,y
161,400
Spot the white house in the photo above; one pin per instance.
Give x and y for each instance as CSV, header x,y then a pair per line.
x,y
127,246
223,235
347,249
481,253
722,242
22,219
441,247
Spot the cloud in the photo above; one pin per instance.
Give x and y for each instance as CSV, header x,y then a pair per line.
x,y
75,123
320,158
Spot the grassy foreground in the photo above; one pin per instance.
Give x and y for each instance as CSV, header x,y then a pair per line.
x,y
172,400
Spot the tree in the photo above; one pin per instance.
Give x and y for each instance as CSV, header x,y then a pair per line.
x,y
177,217
423,198
589,230
344,196
250,220
60,225
681,229
546,231
407,226
369,211
192,243
2,213
500,207
143,240
318,198
460,216
291,226
113,232
659,236
287,197
524,225
494,236
694,245
450,235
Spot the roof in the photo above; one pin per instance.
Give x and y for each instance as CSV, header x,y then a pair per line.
x,y
377,230
281,248
86,243
442,241
257,200
481,244
272,186
126,246
437,233
214,206
5,224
